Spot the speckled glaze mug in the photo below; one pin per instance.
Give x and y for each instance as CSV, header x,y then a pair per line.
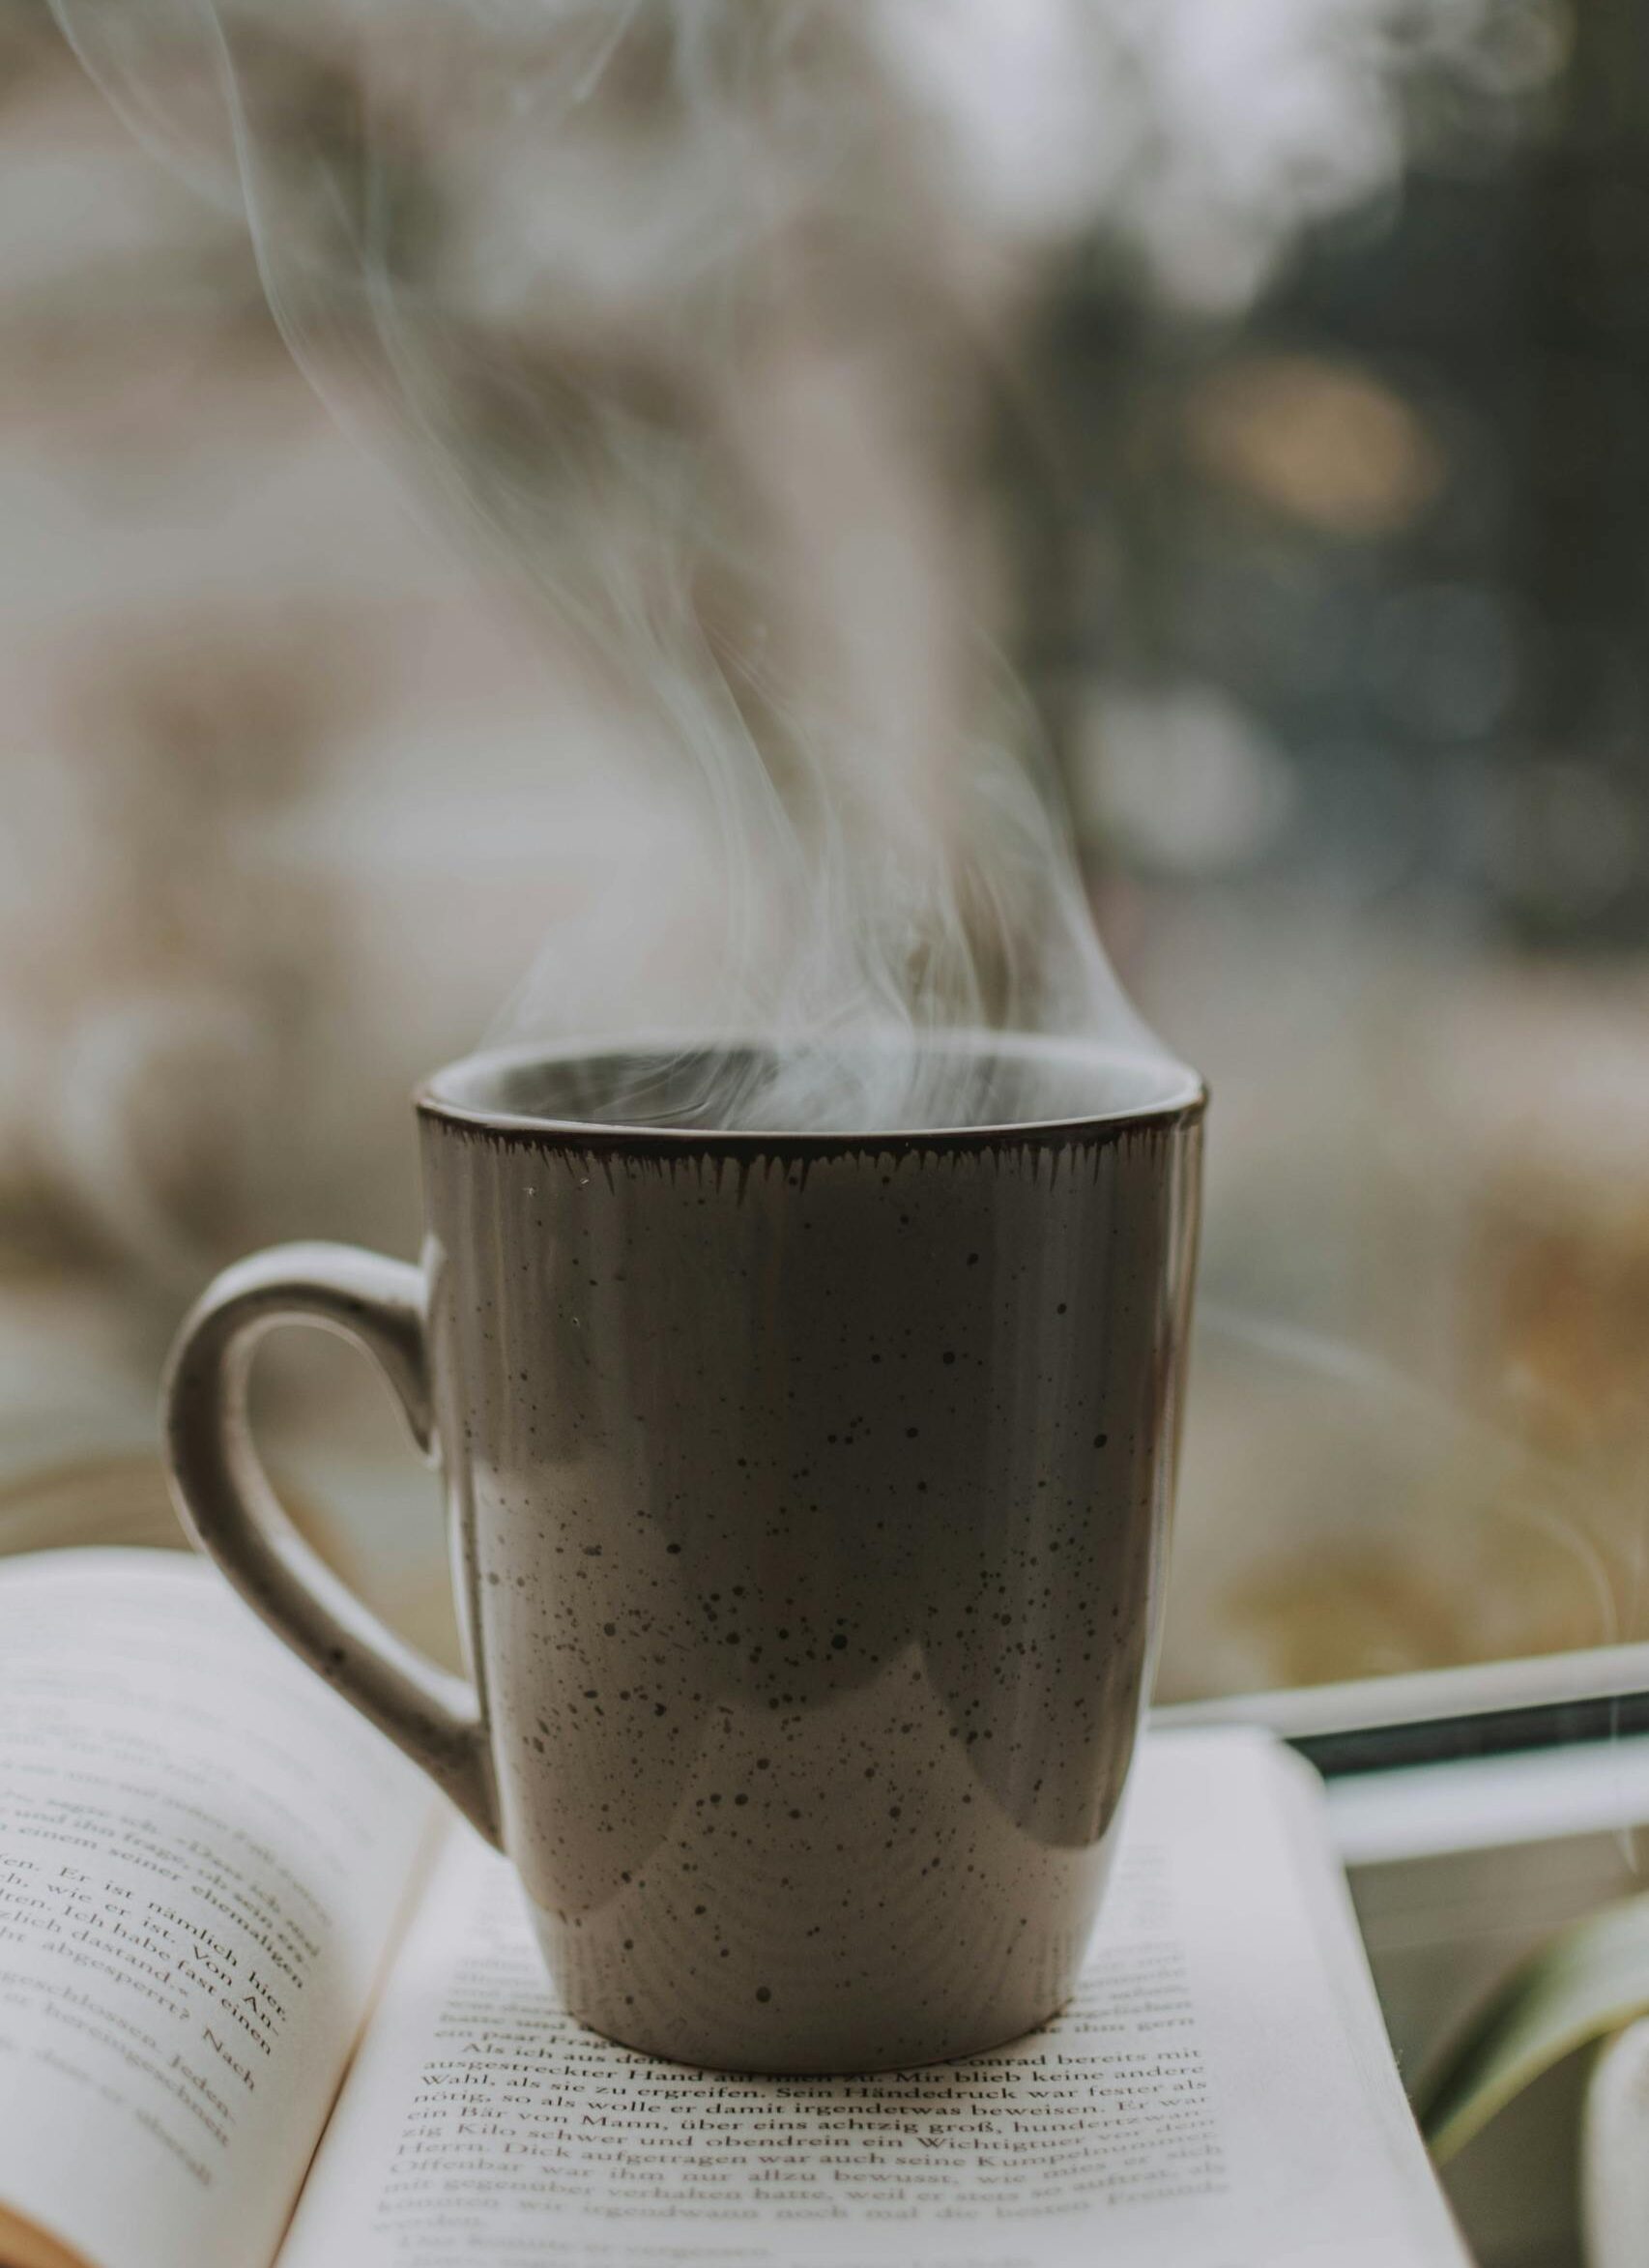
x,y
809,1496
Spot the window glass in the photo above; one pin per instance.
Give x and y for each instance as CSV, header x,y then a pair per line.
x,y
1309,473
1352,696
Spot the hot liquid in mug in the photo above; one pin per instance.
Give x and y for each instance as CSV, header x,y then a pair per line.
x,y
809,1496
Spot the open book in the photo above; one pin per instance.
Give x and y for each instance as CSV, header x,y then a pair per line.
x,y
262,2001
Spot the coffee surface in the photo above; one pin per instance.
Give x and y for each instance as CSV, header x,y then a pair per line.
x,y
944,1082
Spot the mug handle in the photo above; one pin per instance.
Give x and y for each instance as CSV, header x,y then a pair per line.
x,y
227,1504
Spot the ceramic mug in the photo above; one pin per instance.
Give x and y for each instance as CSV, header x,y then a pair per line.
x,y
809,1496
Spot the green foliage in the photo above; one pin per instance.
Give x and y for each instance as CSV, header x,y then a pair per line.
x,y
1581,1987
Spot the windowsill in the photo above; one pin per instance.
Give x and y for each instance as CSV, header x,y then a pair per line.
x,y
1483,1709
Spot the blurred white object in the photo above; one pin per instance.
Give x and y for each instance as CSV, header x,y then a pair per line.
x,y
1182,779
1203,135
154,1092
1615,2154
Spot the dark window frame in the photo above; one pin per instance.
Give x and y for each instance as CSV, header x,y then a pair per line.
x,y
1501,1708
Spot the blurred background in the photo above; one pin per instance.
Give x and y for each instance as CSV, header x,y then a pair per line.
x,y
1300,472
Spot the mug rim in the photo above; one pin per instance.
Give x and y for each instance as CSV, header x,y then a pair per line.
x,y
1182,1102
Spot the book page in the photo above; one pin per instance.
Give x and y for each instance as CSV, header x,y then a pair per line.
x,y
1220,2093
202,1855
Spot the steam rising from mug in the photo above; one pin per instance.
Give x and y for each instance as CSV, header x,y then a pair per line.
x,y
698,312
